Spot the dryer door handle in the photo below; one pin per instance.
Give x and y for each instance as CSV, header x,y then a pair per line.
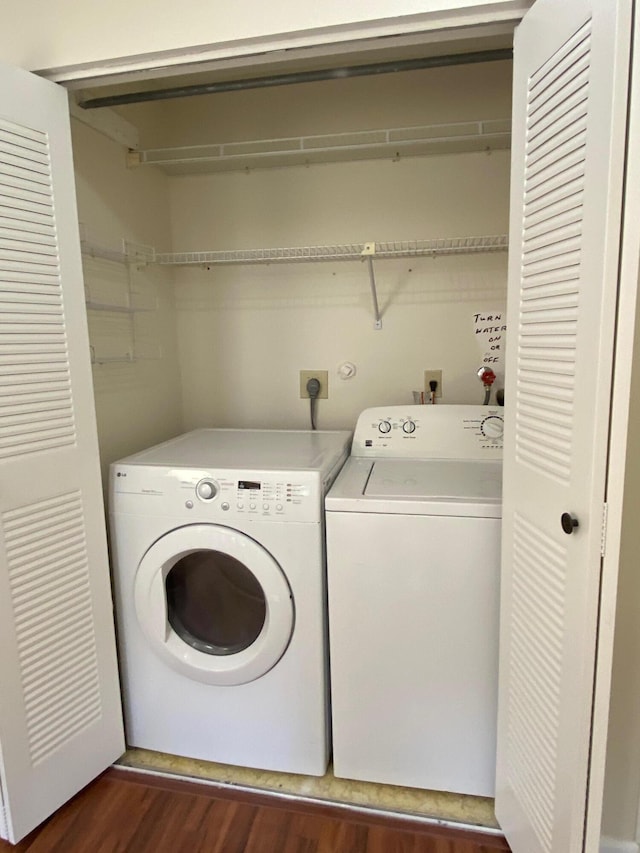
x,y
158,608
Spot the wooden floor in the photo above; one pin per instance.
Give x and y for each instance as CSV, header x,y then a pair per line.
x,y
124,812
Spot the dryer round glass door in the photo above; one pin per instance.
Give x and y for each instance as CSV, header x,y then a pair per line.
x,y
214,603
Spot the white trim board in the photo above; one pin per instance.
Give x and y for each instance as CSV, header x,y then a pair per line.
x,y
108,123
614,845
242,60
458,16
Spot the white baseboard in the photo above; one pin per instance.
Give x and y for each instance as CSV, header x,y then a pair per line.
x,y
613,845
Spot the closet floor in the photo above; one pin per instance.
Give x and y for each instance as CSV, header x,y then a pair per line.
x,y
127,812
457,808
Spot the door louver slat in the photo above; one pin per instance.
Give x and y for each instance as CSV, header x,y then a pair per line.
x,y
557,162
573,122
575,126
61,692
541,204
563,82
561,184
538,598
24,153
545,111
38,234
11,213
31,308
27,136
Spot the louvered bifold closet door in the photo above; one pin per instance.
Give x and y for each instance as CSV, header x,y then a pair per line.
x,y
60,719
571,64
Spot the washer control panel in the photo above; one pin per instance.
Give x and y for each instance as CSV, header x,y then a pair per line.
x,y
430,432
222,495
492,427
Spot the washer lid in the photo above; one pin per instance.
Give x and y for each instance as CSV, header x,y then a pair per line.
x,y
464,488
451,480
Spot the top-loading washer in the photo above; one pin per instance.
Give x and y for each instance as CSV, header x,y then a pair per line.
x,y
219,574
413,547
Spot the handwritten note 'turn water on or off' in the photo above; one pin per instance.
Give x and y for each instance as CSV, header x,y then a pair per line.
x,y
490,331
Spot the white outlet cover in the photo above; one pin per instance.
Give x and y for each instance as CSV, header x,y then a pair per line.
x,y
347,370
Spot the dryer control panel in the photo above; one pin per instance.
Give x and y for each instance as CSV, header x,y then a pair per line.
x,y
430,432
221,495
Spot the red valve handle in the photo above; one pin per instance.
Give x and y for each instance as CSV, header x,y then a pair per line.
x,y
488,378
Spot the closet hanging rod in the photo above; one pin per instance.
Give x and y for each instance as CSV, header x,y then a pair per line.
x,y
315,76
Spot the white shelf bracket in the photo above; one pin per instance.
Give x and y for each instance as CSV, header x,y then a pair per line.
x,y
138,254
368,253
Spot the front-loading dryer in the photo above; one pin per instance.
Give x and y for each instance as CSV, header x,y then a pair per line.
x,y
219,574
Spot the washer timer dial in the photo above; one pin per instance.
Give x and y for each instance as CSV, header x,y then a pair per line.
x,y
384,427
409,427
492,427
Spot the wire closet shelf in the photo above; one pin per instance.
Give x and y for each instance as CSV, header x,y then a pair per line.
x,y
339,252
369,252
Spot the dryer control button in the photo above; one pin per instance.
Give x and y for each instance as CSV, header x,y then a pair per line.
x,y
206,490
224,506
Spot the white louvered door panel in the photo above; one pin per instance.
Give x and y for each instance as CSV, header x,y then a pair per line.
x,y
571,65
60,717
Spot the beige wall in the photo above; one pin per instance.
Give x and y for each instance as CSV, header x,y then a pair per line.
x,y
407,99
39,34
137,404
245,332
622,779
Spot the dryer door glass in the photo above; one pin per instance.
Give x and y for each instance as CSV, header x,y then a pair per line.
x,y
215,603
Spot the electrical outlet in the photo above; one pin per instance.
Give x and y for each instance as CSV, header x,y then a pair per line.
x,y
430,375
323,378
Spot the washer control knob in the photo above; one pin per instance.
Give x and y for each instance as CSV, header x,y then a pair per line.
x,y
384,427
206,490
409,427
492,427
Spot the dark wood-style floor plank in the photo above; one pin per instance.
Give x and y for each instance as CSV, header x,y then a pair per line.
x,y
131,813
